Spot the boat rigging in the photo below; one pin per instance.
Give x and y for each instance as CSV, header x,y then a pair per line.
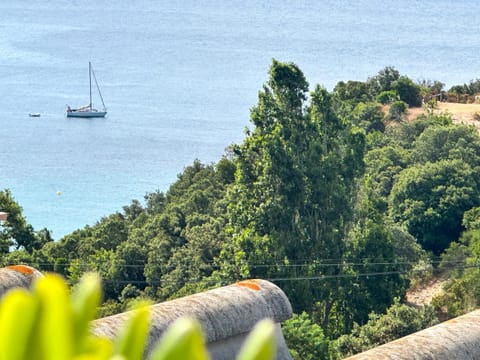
x,y
88,111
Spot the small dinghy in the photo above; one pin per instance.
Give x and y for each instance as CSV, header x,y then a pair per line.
x,y
34,114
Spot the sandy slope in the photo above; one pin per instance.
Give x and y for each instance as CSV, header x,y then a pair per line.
x,y
461,113
424,293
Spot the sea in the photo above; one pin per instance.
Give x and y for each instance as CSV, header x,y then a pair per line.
x,y
179,79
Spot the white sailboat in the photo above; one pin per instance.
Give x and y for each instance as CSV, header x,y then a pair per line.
x,y
88,111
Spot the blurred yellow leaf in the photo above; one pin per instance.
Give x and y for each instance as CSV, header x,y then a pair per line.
x,y
183,340
132,340
55,328
18,311
86,298
260,343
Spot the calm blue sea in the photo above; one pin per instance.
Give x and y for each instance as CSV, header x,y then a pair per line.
x,y
179,79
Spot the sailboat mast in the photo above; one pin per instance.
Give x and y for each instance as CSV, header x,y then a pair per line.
x,y
90,78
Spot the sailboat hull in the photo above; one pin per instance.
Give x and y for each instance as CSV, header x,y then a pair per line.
x,y
86,114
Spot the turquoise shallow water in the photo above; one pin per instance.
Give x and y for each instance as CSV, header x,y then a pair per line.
x,y
179,80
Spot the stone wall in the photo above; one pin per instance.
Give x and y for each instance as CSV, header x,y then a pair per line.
x,y
17,276
457,338
226,314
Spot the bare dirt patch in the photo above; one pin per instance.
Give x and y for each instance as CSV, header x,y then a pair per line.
x,y
425,292
461,113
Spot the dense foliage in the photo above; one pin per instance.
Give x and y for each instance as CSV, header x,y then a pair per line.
x,y
305,338
333,196
399,320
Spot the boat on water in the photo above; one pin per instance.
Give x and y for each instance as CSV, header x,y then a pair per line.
x,y
88,111
34,114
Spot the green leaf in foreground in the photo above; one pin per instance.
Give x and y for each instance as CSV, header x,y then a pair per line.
x,y
55,329
260,343
85,301
132,340
183,340
18,311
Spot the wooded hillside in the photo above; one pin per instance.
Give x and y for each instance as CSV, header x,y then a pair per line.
x,y
341,203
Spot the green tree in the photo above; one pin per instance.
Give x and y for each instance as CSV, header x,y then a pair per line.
x,y
383,80
182,240
407,90
16,233
110,232
132,211
292,199
160,249
397,110
225,169
430,200
352,91
373,251
383,165
448,142
459,262
155,202
190,264
471,219
369,116
379,258
387,97
305,339
406,133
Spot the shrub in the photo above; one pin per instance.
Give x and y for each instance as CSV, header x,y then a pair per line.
x,y
397,110
387,97
400,320
305,339
407,90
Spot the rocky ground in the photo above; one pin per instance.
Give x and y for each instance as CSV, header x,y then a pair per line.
x,y
424,293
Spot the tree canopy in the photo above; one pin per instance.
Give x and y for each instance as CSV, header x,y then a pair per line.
x,y
329,195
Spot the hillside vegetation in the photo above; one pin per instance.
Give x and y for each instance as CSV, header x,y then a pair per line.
x,y
344,199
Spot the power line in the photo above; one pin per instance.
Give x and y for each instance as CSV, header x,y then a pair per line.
x,y
281,279
314,263
337,276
